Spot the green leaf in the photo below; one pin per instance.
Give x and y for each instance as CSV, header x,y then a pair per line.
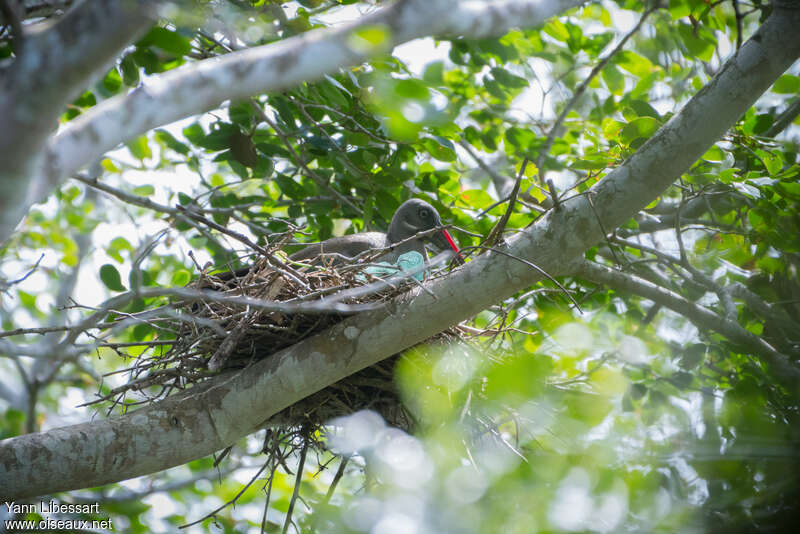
x,y
28,300
371,39
557,30
762,123
333,95
506,79
644,109
441,149
194,133
411,88
111,277
142,331
476,199
117,246
788,84
333,81
112,82
181,278
241,113
289,187
168,140
521,138
144,190
634,63
698,40
434,73
773,162
614,79
642,127
679,9
167,40
219,138
139,148
714,154
130,71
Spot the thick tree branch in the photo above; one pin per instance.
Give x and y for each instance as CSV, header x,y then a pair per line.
x,y
55,65
215,414
204,85
783,369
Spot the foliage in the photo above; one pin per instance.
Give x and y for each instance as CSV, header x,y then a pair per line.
x,y
622,416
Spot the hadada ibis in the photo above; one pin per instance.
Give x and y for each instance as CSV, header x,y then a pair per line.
x,y
412,217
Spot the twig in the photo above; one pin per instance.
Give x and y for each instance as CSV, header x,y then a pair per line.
x,y
299,161
297,481
537,269
230,502
589,197
496,234
336,478
739,23
130,198
269,493
24,277
551,136
280,266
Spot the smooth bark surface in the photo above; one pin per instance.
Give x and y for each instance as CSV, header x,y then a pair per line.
x,y
36,163
53,66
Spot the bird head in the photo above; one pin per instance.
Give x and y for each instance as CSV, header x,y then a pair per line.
x,y
414,216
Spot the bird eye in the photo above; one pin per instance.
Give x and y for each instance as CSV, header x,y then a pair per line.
x,y
424,213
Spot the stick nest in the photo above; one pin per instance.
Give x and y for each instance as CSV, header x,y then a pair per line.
x,y
216,335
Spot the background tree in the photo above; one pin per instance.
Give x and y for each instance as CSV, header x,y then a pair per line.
x,y
624,148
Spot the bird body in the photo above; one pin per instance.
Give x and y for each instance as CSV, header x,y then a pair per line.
x,y
411,218
349,246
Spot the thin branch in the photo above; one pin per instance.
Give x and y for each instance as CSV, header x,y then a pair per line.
x,y
784,370
277,264
538,270
496,234
297,481
739,23
784,119
497,178
551,136
6,285
230,502
336,478
130,198
300,162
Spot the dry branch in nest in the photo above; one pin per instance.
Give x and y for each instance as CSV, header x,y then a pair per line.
x,y
224,333
227,331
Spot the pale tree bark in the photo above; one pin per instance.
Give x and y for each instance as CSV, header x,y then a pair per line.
x,y
53,65
29,107
224,409
784,370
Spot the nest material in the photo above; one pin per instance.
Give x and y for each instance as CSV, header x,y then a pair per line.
x,y
215,336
